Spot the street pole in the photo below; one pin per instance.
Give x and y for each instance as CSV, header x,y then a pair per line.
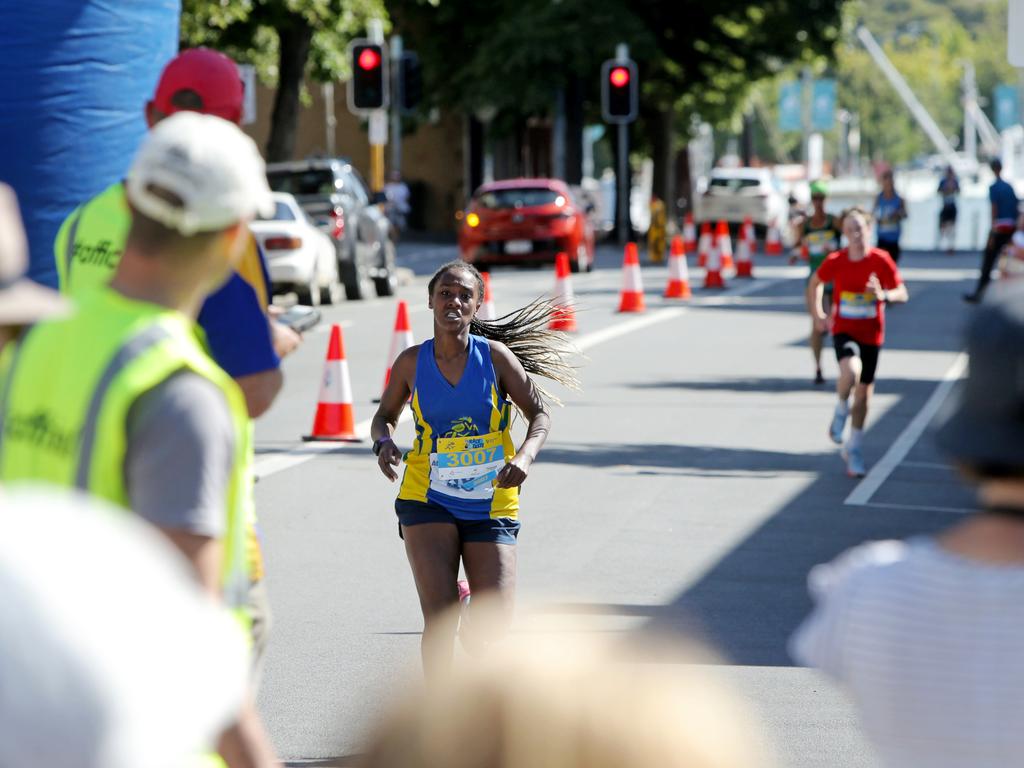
x,y
378,121
330,121
396,103
622,174
805,114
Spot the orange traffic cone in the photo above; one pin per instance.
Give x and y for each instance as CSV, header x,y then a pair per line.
x,y
565,314
678,286
486,311
744,250
334,418
773,240
631,299
401,339
689,234
724,245
713,271
705,245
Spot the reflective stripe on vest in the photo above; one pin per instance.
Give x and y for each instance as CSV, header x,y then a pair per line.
x,y
69,249
125,355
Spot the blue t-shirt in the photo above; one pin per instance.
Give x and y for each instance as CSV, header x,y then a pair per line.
x,y
887,210
236,327
1003,197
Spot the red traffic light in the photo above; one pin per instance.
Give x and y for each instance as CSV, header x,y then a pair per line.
x,y
619,77
369,59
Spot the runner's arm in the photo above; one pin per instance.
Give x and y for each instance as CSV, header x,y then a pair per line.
x,y
385,420
523,392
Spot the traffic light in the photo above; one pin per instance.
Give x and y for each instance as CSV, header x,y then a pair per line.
x,y
410,83
620,91
368,88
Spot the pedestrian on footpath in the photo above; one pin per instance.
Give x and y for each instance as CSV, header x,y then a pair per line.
x,y
22,302
242,339
864,280
949,189
889,211
1004,221
926,633
120,399
459,496
819,233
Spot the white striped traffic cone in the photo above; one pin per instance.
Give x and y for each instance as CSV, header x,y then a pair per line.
x,y
565,316
486,311
401,339
713,271
335,418
631,299
689,234
745,249
678,286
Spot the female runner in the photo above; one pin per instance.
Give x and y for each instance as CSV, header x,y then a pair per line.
x,y
459,496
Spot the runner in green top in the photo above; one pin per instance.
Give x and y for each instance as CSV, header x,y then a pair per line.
x,y
819,236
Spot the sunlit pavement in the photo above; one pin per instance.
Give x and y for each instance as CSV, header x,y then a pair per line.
x,y
689,487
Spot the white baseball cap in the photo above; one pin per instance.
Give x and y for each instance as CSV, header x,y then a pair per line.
x,y
207,164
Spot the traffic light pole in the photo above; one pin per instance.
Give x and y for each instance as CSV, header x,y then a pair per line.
x,y
395,49
378,121
622,181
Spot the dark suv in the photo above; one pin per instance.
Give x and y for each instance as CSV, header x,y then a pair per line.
x,y
334,195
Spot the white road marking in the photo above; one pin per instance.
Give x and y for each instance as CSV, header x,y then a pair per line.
x,y
272,463
898,451
918,507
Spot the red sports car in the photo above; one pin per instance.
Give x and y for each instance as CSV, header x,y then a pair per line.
x,y
526,221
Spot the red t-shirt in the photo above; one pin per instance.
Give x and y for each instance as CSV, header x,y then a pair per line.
x,y
855,311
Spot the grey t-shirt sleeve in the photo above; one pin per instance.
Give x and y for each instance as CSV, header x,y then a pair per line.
x,y
180,452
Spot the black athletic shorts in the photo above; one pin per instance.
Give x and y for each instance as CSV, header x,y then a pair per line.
x,y
892,247
948,214
847,346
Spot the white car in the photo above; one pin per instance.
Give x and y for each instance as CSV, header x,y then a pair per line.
x,y
732,194
300,257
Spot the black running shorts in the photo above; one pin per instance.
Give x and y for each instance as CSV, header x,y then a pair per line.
x,y
847,346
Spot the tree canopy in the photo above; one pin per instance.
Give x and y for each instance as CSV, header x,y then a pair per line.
x,y
286,40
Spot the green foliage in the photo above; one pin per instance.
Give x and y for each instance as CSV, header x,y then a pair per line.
x,y
248,30
694,56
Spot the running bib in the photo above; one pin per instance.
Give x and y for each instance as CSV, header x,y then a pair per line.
x,y
857,306
820,243
465,467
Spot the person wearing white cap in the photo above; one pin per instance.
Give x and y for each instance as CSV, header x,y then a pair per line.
x,y
926,633
22,302
121,400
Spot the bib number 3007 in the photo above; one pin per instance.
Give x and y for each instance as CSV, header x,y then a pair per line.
x,y
465,467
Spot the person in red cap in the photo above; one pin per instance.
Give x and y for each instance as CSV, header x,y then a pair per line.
x,y
199,80
241,337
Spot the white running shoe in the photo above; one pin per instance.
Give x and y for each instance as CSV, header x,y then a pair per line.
x,y
854,461
838,425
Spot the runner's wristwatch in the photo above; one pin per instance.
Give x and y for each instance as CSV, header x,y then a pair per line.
x,y
379,443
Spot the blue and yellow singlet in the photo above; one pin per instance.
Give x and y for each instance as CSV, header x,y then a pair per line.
x,y
463,438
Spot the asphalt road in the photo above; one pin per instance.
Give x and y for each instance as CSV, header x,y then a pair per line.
x,y
689,487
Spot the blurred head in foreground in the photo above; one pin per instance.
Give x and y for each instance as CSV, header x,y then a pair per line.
x,y
110,655
982,427
568,703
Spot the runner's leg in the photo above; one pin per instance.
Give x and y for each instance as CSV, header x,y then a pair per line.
x,y
433,552
859,411
491,570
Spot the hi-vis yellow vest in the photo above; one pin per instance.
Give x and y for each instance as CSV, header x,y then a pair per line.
x,y
66,390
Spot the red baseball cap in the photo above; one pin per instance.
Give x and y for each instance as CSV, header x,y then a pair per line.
x,y
211,74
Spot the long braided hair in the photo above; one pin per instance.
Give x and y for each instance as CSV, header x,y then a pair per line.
x,y
541,352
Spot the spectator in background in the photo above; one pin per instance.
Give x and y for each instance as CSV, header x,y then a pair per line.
x,y
949,189
926,633
397,207
568,704
889,213
1004,221
22,302
100,670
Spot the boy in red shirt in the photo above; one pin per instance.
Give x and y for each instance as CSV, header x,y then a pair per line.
x,y
864,280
